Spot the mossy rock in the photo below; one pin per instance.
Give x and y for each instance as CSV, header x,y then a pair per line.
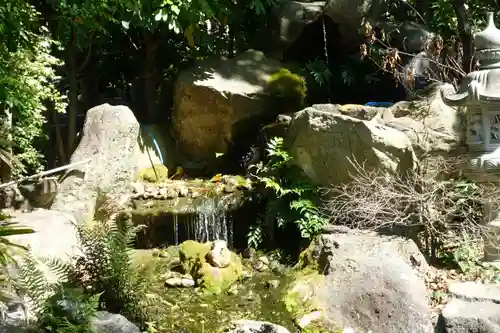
x,y
301,296
158,173
287,91
211,279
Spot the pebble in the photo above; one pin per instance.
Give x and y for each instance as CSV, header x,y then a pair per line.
x,y
272,284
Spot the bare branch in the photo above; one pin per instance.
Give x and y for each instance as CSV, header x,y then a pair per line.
x,y
422,203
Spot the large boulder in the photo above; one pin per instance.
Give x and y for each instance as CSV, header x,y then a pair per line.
x,y
42,242
473,307
215,99
110,143
105,322
364,281
42,245
324,144
432,126
294,17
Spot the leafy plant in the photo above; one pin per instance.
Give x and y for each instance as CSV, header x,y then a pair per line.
x,y
290,199
59,306
105,267
8,228
101,279
27,76
318,70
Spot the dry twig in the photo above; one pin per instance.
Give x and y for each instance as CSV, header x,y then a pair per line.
x,y
421,205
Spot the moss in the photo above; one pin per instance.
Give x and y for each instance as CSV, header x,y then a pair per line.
x,y
306,260
243,182
191,254
287,91
212,279
216,280
300,298
297,300
158,173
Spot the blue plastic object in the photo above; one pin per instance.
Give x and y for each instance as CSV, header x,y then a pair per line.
x,y
380,104
154,142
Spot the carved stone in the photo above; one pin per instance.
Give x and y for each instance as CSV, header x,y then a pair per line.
x,y
479,92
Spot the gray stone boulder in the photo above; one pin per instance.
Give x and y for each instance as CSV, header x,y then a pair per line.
x,y
55,237
364,281
214,99
323,144
432,126
473,307
294,16
47,224
254,326
110,141
106,322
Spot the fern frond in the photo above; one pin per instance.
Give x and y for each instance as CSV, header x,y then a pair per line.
x,y
33,282
61,269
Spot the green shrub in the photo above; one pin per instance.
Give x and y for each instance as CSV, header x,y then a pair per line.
x,y
287,91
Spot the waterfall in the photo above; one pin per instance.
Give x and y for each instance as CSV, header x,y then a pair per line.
x,y
327,60
210,222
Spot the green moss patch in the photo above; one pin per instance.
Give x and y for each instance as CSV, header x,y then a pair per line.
x,y
287,91
158,173
211,279
300,298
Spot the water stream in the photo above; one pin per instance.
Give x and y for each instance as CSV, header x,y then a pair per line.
x,y
210,222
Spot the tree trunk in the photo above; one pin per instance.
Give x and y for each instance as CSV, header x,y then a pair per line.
x,y
72,98
465,33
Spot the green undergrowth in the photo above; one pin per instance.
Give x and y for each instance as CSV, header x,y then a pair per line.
x,y
192,310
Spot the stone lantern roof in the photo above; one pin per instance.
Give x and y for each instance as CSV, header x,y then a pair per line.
x,y
487,44
482,86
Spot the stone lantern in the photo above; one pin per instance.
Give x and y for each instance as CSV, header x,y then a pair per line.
x,y
479,92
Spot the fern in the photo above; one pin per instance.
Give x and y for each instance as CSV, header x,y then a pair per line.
x,y
318,70
69,310
289,199
33,282
106,267
101,278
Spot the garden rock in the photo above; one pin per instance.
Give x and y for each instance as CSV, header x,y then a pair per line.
x,y
364,281
42,242
110,142
193,256
106,322
474,307
253,326
294,16
432,126
216,99
219,255
324,143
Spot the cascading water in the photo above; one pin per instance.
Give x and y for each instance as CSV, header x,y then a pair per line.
x,y
327,59
210,222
